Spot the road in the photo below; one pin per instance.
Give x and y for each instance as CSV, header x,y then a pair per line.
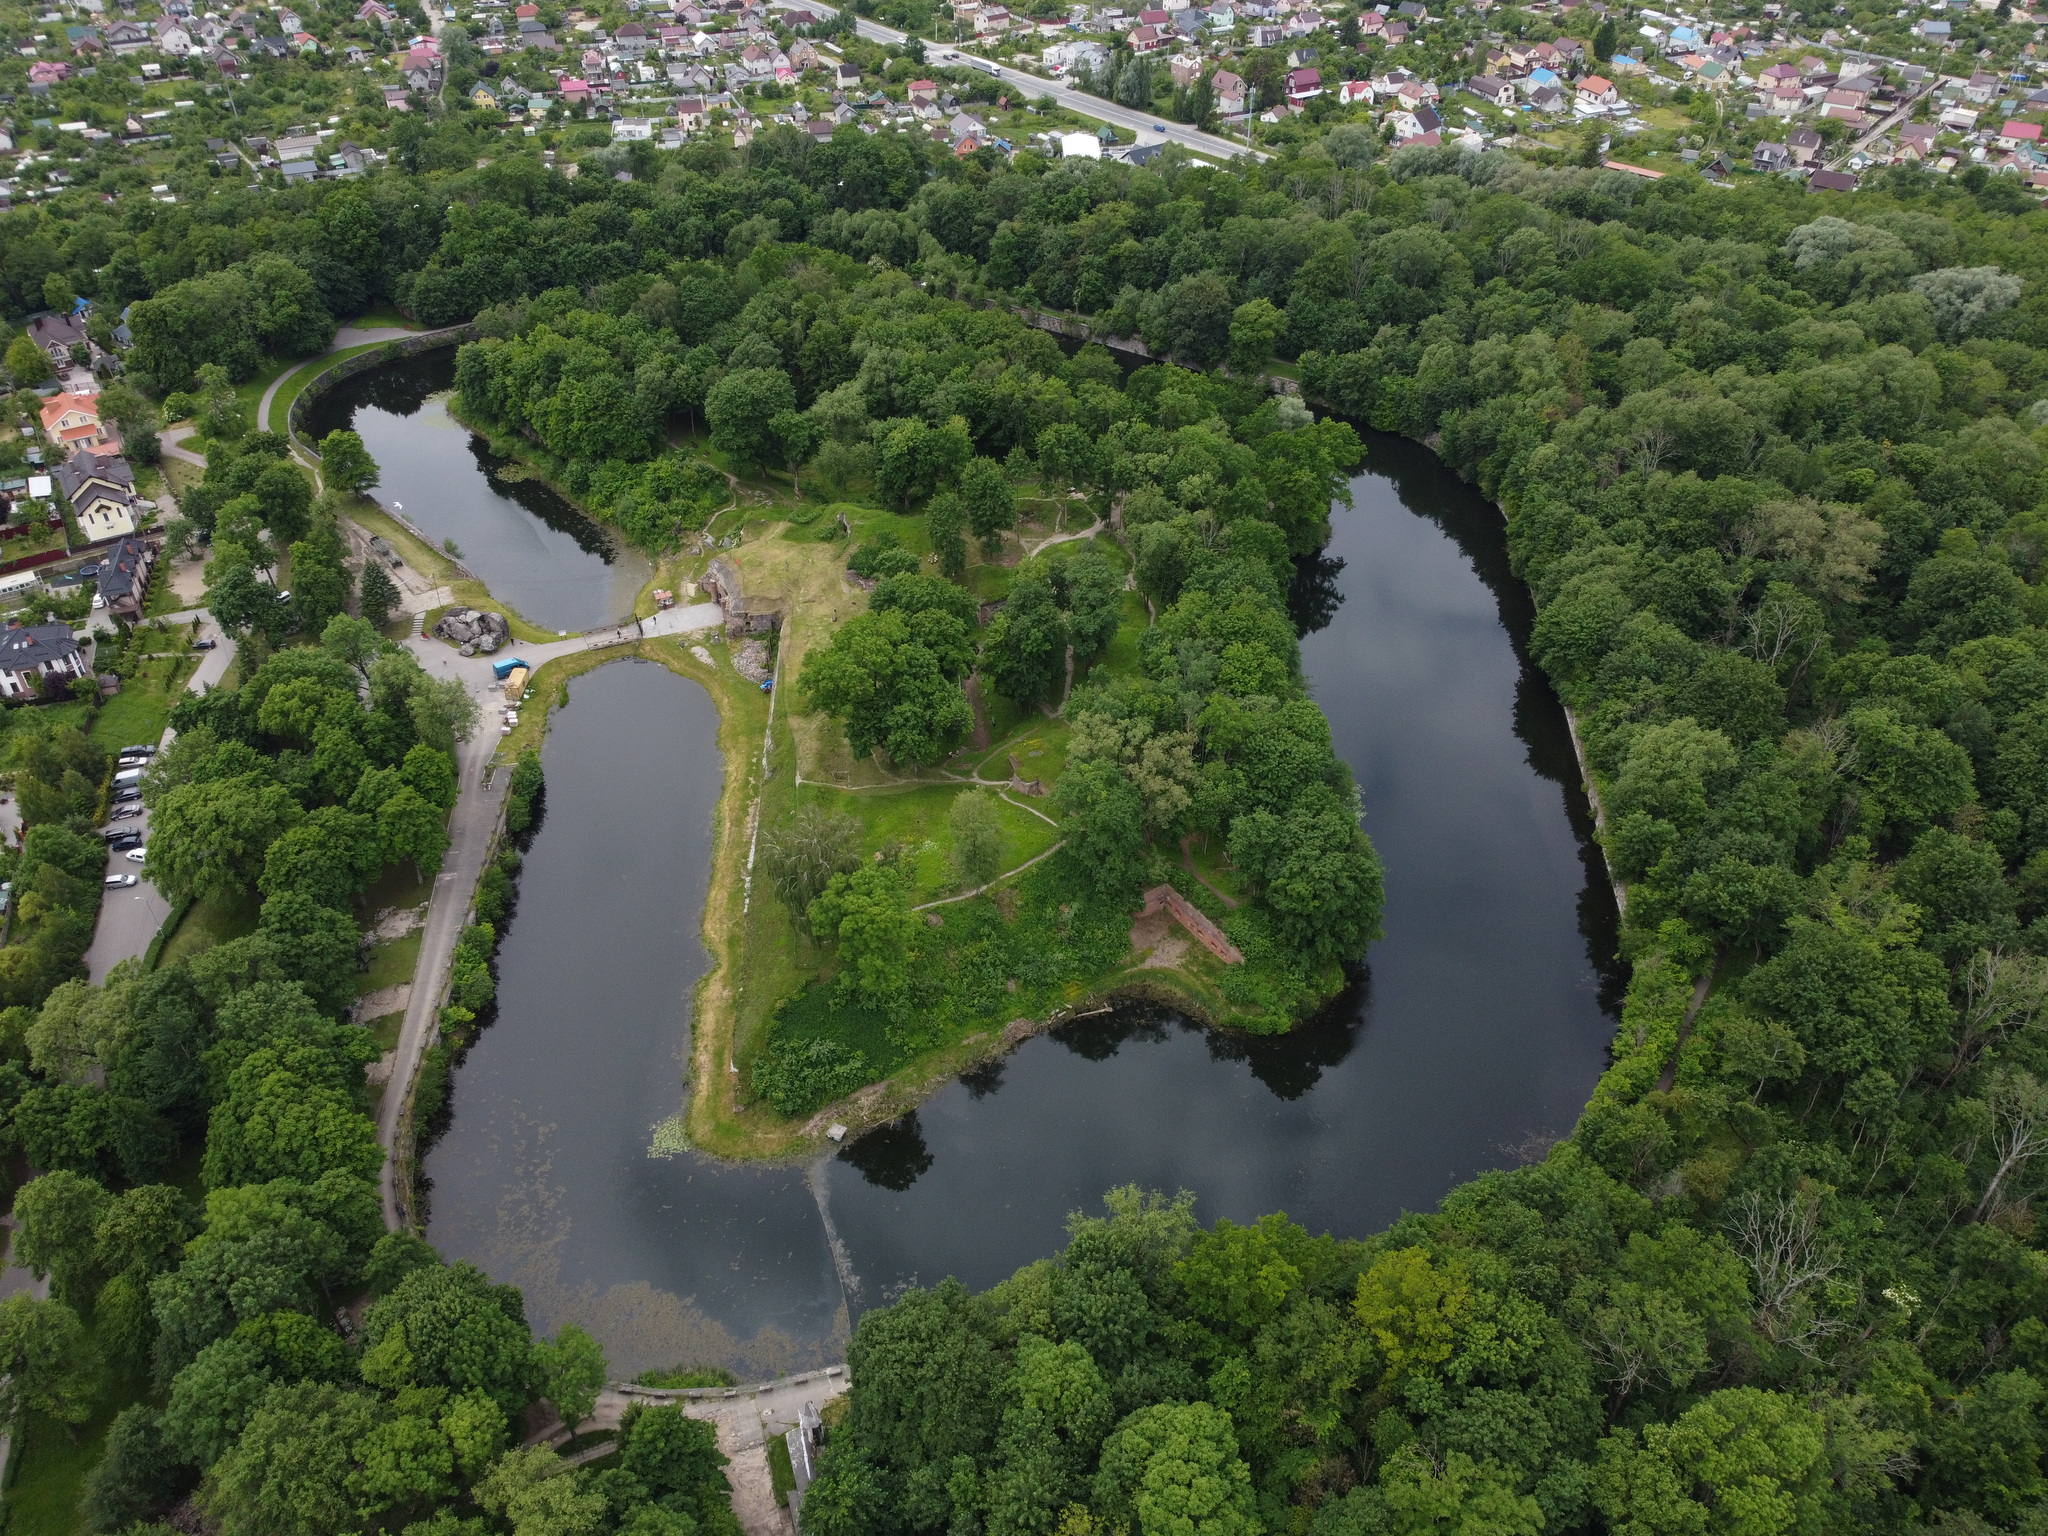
x,y
1145,124
1898,115
130,918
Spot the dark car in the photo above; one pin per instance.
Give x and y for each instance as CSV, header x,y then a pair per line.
x,y
139,749
204,645
126,793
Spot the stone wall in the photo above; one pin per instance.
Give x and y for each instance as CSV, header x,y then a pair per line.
x,y
1205,933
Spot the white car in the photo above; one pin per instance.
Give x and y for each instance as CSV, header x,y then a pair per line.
x,y
114,882
135,855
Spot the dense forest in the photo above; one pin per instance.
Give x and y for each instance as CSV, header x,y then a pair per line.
x,y
1770,463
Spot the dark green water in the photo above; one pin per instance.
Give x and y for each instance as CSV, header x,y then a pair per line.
x,y
1470,1041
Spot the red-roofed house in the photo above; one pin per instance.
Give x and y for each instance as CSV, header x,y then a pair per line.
x,y
1304,83
2015,134
73,421
1150,39
1594,91
575,92
923,93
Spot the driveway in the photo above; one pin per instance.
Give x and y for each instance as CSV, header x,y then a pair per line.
x,y
173,444
130,918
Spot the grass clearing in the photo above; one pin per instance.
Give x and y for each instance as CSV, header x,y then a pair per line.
x,y
384,1030
391,964
295,385
141,710
215,920
52,1460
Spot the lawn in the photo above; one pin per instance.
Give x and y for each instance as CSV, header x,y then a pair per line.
x,y
249,394
281,403
916,819
398,888
391,963
384,1030
141,710
212,921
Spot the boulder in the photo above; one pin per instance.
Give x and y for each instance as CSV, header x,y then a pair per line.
x,y
474,630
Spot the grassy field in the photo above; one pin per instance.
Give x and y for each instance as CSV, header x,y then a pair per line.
x,y
384,1030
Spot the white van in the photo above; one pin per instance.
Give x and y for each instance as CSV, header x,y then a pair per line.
x,y
127,776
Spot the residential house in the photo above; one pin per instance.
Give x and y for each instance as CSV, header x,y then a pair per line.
x,y
377,11
1352,92
1770,158
1831,181
632,130
1303,84
172,37
1148,39
575,91
923,93
1547,98
630,41
1916,141
1186,68
1230,92
57,335
846,76
125,37
1492,88
101,490
692,115
2019,135
1982,86
1596,93
398,98
1264,36
73,421
1842,105
38,659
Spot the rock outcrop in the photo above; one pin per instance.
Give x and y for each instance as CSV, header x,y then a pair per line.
x,y
476,631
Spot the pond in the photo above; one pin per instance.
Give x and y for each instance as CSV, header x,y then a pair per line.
x,y
538,554
1471,1041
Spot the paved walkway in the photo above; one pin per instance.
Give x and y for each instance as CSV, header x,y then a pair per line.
x,y
348,336
683,621
745,1418
173,444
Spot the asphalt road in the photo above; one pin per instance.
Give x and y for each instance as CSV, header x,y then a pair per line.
x,y
1145,124
130,918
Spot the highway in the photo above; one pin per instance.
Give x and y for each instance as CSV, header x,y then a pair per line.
x,y
1144,124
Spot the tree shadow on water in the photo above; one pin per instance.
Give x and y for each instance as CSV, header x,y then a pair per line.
x,y
1292,1064
892,1156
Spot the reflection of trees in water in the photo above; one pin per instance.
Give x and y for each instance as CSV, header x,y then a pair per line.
x,y
1290,1064
403,389
1428,488
892,1156
1293,1063
538,498
982,1080
1313,596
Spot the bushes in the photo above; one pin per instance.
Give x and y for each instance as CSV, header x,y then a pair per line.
x,y
797,1076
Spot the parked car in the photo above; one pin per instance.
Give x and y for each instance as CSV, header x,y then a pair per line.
x,y
114,882
125,793
204,645
123,812
136,855
139,749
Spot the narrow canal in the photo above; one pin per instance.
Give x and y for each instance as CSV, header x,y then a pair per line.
x,y
1471,1041
536,553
